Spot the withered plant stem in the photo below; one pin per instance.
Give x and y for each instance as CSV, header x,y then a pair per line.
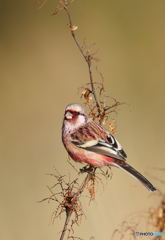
x,y
68,216
87,58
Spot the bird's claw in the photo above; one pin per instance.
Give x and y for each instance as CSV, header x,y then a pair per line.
x,y
88,169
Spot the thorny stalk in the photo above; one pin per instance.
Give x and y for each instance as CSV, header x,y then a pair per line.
x,y
87,57
99,110
68,216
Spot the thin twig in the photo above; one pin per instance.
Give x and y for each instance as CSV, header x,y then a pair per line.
x,y
87,58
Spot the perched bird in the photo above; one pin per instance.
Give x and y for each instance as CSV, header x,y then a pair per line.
x,y
87,142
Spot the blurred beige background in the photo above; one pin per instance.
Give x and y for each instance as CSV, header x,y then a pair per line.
x,y
41,70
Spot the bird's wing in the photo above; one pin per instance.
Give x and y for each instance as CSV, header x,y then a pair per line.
x,y
93,137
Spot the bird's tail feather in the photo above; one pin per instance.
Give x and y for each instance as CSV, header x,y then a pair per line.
x,y
129,169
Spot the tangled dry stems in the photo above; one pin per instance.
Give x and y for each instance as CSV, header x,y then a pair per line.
x,y
66,194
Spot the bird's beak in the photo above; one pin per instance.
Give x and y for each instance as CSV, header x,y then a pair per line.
x,y
68,115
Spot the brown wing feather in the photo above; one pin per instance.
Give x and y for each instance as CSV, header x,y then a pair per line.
x,y
90,131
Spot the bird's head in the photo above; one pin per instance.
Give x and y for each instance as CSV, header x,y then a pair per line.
x,y
74,116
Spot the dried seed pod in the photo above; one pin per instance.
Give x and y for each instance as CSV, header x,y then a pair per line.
x,y
112,127
73,28
92,192
86,94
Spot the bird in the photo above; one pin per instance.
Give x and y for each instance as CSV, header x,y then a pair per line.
x,y
88,142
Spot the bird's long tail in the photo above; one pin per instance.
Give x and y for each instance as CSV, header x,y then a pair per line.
x,y
129,169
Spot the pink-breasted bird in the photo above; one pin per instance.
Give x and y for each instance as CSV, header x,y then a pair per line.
x,y
87,142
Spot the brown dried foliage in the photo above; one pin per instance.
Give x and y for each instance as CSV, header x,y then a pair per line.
x,y
153,220
157,217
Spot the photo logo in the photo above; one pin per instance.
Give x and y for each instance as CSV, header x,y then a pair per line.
x,y
149,234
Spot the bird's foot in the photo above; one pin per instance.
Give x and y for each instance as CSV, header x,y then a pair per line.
x,y
88,169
